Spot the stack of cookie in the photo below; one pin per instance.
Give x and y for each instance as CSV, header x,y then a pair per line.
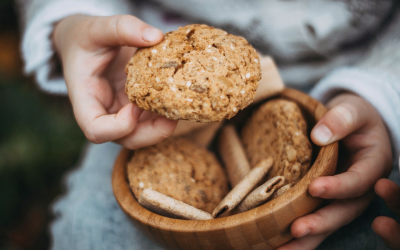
x,y
276,131
180,179
202,74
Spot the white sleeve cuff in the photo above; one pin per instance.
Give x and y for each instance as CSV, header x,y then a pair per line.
x,y
37,49
377,87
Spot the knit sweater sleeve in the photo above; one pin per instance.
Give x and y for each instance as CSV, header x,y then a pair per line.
x,y
37,20
376,78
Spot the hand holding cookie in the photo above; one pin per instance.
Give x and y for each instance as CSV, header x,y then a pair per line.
x,y
354,121
93,65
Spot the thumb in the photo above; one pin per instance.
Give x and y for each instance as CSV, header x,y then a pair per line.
x,y
343,119
122,30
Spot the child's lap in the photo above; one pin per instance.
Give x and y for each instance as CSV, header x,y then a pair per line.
x,y
88,216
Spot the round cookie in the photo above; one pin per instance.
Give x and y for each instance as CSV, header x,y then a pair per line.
x,y
278,129
180,169
197,73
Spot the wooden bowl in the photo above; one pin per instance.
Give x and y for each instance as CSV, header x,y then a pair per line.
x,y
265,227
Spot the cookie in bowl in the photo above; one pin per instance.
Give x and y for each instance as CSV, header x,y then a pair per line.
x,y
197,73
278,129
179,169
265,227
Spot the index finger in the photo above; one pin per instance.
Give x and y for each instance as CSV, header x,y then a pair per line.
x,y
148,132
97,124
358,179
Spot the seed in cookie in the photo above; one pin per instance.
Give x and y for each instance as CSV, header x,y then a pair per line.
x,y
204,63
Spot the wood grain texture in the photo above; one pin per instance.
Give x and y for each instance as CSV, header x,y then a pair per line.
x,y
264,227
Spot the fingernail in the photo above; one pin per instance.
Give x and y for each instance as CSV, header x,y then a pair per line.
x,y
319,192
322,133
151,34
306,232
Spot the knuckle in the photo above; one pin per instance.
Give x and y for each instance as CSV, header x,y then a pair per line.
x,y
322,224
90,135
88,26
316,223
121,22
164,134
356,184
164,130
316,219
344,115
117,27
126,127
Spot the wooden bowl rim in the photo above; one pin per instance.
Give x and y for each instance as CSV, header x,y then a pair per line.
x,y
130,206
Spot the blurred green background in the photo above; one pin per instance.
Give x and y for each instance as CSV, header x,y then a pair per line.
x,y
39,142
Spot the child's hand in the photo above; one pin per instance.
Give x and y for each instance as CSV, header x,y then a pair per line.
x,y
354,121
93,59
387,228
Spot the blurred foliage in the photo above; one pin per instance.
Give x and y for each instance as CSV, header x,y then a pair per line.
x,y
8,15
39,141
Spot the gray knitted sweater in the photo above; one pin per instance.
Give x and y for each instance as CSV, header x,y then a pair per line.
x,y
327,46
334,45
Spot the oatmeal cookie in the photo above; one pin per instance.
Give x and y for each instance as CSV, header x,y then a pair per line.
x,y
178,168
197,73
278,129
